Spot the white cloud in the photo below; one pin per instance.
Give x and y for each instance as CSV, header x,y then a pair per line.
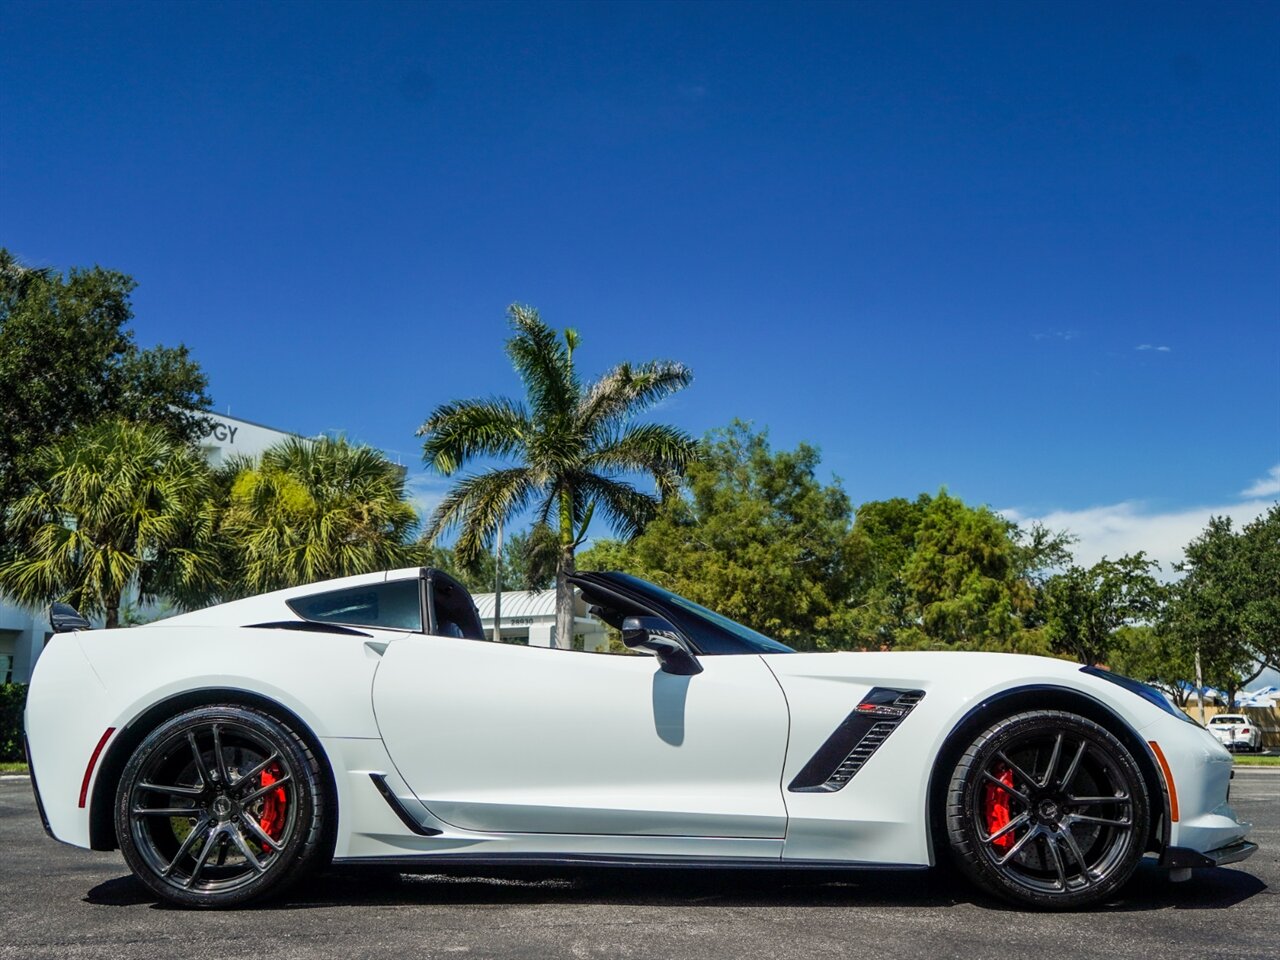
x,y
1159,348
1267,486
425,493
1113,530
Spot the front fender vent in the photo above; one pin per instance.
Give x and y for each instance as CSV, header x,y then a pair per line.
x,y
857,738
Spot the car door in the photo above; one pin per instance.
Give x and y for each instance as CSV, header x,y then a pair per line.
x,y
504,738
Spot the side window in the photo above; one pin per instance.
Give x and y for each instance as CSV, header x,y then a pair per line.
x,y
391,606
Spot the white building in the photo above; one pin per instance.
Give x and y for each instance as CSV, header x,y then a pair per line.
x,y
530,618
23,632
228,436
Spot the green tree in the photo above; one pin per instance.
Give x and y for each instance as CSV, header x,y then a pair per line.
x,y
883,538
1084,608
1040,553
568,453
67,360
935,572
967,582
313,510
1260,547
1154,656
756,537
1227,604
114,505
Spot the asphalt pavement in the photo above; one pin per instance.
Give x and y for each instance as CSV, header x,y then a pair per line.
x,y
63,903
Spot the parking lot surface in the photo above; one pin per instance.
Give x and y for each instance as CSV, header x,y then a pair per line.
x,y
64,903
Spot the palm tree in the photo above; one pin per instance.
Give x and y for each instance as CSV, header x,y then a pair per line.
x,y
115,506
568,451
315,509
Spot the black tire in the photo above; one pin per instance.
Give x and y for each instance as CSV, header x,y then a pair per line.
x,y
1048,809
221,805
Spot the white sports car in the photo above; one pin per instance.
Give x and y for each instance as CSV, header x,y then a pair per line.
x,y
366,720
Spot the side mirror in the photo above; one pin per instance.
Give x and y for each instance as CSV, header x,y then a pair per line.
x,y
64,618
660,637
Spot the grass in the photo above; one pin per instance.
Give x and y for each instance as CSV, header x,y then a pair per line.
x,y
13,768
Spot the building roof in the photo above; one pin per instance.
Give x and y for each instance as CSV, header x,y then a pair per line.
x,y
251,423
524,603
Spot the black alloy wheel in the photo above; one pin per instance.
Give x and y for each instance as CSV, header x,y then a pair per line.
x,y
1048,809
220,805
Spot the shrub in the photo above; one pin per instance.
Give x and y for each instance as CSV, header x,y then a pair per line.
x,y
13,698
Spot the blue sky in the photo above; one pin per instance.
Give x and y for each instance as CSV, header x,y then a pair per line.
x,y
1028,251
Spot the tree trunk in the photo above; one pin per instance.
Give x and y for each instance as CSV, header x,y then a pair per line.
x,y
564,600
113,617
1243,685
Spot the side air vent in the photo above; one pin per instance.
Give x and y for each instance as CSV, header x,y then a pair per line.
x,y
380,782
854,742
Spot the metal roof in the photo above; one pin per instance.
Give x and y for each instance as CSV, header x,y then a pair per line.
x,y
525,603
518,603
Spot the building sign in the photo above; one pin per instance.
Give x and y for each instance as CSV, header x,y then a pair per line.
x,y
222,432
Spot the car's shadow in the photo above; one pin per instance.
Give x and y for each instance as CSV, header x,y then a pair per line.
x,y
1150,889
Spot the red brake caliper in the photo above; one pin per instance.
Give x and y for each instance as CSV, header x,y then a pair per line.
x,y
273,804
995,807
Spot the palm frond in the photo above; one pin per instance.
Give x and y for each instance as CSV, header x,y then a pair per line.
x,y
545,364
111,506
627,509
16,279
477,504
657,449
541,556
456,432
546,506
628,389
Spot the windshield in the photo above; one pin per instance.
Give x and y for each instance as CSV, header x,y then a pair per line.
x,y
709,631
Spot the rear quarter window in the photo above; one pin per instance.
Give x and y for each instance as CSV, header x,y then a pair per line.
x,y
390,606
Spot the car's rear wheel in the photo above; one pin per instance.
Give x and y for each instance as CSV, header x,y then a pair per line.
x,y
220,805
1048,809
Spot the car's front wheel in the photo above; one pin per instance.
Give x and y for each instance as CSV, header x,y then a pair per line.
x,y
220,805
1048,809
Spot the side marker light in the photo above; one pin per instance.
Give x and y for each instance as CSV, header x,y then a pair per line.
x,y
93,762
1168,779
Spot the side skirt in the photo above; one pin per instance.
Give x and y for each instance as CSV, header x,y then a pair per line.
x,y
430,860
